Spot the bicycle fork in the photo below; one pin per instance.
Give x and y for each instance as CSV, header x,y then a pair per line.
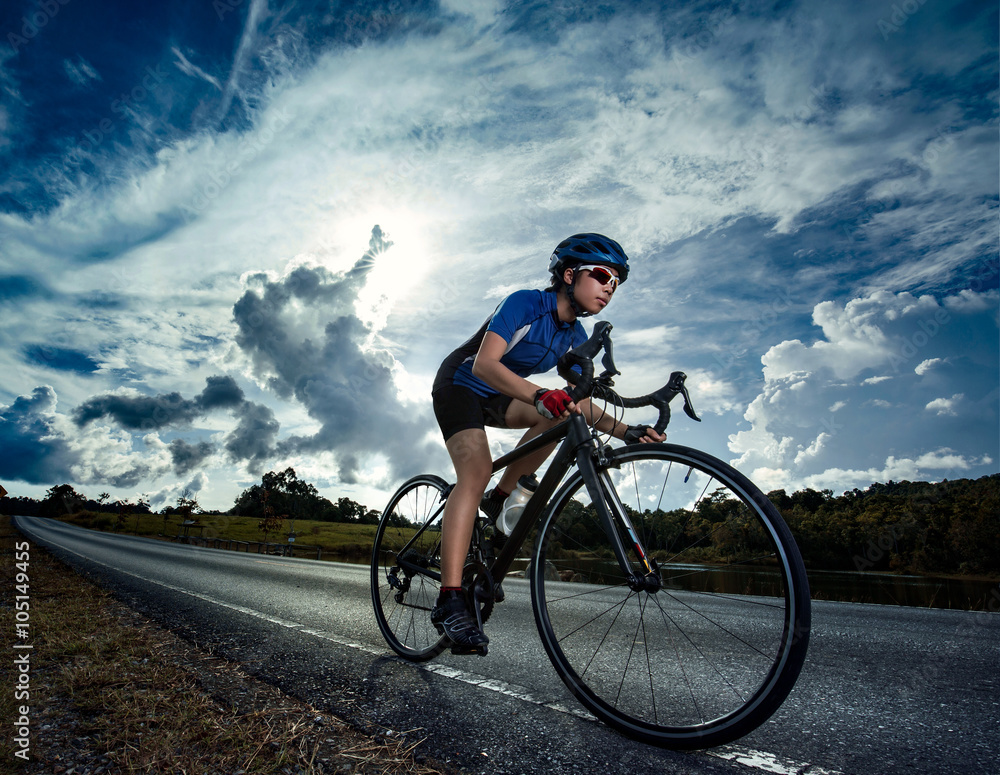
x,y
593,462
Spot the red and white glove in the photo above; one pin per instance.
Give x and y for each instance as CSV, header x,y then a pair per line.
x,y
552,403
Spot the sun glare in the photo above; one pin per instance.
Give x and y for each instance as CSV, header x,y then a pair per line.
x,y
395,270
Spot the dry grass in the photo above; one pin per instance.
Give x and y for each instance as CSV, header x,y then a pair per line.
x,y
113,693
339,540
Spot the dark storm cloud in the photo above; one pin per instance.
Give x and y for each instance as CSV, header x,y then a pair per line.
x,y
344,385
60,358
30,449
253,438
148,413
186,457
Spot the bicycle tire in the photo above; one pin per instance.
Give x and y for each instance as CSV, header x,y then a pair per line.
x,y
712,653
402,600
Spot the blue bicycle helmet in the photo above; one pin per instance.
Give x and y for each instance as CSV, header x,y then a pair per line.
x,y
589,248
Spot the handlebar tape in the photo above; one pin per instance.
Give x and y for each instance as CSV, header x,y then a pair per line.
x,y
583,356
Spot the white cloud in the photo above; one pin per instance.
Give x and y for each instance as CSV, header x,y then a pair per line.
x,y
945,406
655,337
925,366
812,450
837,413
188,68
933,466
80,72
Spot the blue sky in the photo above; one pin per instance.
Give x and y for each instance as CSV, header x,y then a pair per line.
x,y
240,235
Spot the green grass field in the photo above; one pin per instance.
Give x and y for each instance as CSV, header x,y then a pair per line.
x,y
339,540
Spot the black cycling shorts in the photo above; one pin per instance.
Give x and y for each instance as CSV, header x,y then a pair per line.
x,y
458,408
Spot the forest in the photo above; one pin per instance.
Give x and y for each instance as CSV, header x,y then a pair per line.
x,y
947,528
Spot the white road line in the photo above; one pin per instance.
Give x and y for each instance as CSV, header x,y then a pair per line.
x,y
760,760
748,757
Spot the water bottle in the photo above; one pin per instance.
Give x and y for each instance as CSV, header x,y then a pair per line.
x,y
514,505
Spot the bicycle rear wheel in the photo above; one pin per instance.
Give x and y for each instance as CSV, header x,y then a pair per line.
x,y
710,651
406,551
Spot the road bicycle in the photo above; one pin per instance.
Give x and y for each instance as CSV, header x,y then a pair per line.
x,y
667,590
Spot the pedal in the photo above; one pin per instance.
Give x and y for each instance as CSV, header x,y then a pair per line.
x,y
462,651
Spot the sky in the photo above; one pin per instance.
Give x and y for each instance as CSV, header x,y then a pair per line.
x,y
241,235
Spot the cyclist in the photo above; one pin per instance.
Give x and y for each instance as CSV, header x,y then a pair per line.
x,y
484,382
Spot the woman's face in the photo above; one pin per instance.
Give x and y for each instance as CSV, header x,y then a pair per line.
x,y
594,287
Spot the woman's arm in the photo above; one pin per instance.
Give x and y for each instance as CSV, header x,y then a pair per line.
x,y
488,368
607,424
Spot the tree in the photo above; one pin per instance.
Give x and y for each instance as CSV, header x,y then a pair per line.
x,y
287,494
271,522
187,506
124,508
62,500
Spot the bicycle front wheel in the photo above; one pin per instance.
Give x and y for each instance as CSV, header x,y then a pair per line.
x,y
406,567
706,648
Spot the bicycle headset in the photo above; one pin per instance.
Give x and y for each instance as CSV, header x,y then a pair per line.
x,y
587,248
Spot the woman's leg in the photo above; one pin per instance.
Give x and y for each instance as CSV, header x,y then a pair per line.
x,y
521,415
470,454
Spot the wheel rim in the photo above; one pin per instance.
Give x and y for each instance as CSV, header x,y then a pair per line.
x,y
710,654
403,600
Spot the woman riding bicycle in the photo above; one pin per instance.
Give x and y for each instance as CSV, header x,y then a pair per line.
x,y
483,382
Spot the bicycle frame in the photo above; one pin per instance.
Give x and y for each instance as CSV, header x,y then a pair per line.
x,y
581,446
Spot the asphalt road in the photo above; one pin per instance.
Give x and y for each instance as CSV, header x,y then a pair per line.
x,y
884,690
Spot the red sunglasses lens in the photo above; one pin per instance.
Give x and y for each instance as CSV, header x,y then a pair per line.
x,y
603,276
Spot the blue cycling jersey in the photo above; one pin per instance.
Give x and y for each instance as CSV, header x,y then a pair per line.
x,y
529,322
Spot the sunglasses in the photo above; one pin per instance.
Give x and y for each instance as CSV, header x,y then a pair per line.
x,y
600,273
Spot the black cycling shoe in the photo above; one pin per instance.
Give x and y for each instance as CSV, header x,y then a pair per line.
x,y
452,619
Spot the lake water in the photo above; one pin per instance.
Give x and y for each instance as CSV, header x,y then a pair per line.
x,y
846,586
891,589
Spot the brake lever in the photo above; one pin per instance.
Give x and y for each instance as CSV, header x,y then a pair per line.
x,y
676,385
688,406
608,361
662,398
